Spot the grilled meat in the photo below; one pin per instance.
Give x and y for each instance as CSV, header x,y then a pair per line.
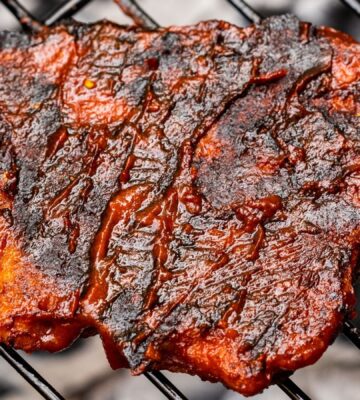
x,y
192,193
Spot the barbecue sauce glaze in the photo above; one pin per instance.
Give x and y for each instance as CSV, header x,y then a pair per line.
x,y
191,193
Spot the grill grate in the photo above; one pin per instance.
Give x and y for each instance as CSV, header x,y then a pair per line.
x,y
65,10
27,21
354,5
29,374
133,10
248,12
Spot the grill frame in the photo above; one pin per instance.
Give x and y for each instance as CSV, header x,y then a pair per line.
x,y
67,9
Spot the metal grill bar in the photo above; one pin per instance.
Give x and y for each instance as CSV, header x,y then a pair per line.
x,y
64,10
352,333
353,4
164,385
292,390
29,374
27,20
139,16
244,9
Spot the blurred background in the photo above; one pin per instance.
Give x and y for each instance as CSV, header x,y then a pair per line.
x,y
82,373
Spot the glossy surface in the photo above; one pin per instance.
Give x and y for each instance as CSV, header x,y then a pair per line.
x,y
189,192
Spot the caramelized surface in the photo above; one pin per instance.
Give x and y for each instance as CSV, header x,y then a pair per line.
x,y
190,192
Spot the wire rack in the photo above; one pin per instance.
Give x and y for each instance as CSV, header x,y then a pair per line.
x,y
67,9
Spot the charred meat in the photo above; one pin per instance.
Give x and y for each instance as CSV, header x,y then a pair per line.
x,y
192,193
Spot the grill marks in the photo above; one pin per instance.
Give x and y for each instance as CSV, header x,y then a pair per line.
x,y
190,192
